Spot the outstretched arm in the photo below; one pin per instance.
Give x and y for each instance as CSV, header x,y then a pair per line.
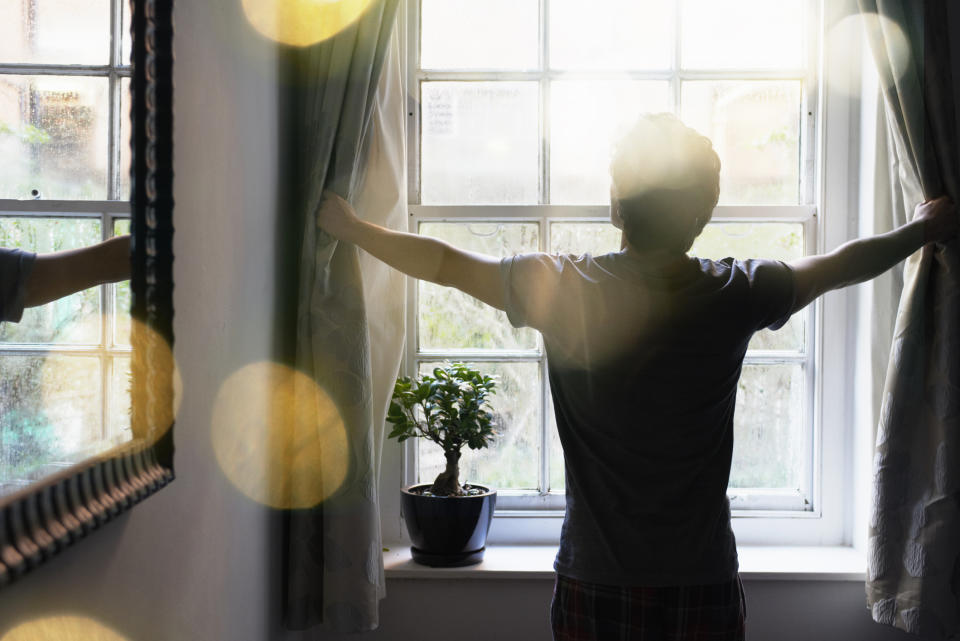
x,y
418,256
860,260
62,273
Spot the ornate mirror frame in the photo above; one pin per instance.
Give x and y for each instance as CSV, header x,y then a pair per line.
x,y
36,523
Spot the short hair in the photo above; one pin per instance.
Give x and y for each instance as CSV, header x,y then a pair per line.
x,y
666,181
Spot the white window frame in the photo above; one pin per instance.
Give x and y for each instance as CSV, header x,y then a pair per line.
x,y
830,116
115,208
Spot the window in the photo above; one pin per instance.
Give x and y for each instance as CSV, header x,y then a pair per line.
x,y
517,104
64,132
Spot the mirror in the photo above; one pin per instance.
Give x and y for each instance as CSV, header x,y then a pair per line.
x,y
86,380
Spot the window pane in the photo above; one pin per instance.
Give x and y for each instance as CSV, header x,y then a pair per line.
x,y
124,141
776,241
584,238
72,319
448,318
55,31
513,460
53,137
121,297
769,447
44,415
480,143
118,400
745,34
587,118
479,34
615,34
755,128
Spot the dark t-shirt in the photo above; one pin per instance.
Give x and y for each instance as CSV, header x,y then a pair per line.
x,y
15,266
643,368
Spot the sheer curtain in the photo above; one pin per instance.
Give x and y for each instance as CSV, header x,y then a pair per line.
x,y
345,101
913,579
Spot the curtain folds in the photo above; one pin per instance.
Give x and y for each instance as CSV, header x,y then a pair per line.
x,y
344,132
913,576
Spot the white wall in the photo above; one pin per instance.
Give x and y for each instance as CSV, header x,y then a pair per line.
x,y
199,561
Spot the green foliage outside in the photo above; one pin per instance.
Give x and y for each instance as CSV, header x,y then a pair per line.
x,y
29,134
27,438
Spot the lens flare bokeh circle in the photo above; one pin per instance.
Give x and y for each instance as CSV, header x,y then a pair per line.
x,y
62,628
301,23
278,437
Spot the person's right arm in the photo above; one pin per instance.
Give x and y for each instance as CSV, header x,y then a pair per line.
x,y
860,260
421,257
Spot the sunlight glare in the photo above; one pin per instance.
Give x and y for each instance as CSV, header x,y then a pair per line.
x,y
62,628
301,23
278,437
764,34
843,37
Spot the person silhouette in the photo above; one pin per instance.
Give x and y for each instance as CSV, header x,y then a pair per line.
x,y
644,349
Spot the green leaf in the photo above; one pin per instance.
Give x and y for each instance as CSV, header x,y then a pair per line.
x,y
34,135
453,404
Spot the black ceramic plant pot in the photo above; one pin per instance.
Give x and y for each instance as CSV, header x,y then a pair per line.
x,y
447,531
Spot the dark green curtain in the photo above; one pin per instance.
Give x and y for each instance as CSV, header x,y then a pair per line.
x,y
333,561
913,575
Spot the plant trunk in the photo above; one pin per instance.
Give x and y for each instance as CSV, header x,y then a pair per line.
x,y
447,482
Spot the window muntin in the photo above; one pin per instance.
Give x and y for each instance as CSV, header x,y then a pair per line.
x,y
759,114
64,132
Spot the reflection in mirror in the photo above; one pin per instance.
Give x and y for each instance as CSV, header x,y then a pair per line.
x,y
64,185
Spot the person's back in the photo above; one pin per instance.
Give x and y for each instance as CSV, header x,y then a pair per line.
x,y
643,367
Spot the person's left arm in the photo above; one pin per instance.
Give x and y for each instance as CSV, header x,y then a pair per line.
x,y
418,256
63,273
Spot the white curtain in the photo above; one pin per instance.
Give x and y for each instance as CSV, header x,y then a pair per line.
x,y
913,573
348,117
383,200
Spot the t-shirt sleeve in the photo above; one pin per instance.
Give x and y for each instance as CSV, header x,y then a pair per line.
x,y
15,267
773,292
531,283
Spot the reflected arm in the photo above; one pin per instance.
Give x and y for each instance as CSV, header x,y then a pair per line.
x,y
418,256
63,273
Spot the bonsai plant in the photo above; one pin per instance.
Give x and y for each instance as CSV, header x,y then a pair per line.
x,y
447,522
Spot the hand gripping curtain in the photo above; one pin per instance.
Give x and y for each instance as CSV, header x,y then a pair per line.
x,y
913,575
333,108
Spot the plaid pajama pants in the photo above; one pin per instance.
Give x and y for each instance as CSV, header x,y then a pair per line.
x,y
583,611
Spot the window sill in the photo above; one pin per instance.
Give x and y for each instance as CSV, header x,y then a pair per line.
x,y
757,563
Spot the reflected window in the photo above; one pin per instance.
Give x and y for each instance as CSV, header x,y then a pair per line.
x,y
64,137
